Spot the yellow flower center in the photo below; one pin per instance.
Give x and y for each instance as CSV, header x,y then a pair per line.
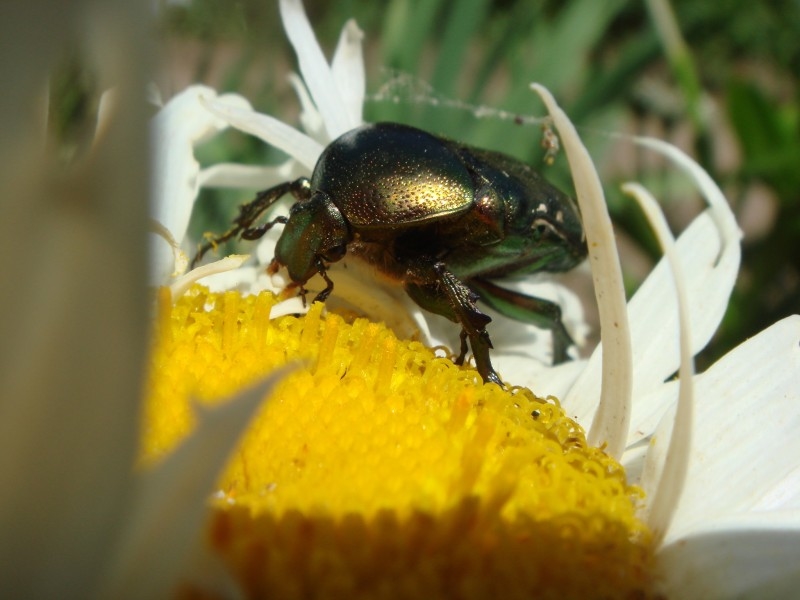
x,y
381,470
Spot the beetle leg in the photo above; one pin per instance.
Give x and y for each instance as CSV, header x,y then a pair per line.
x,y
302,293
463,351
253,233
441,292
249,212
323,271
527,309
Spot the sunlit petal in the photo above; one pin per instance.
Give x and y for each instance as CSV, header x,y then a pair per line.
x,y
310,117
315,70
254,177
229,263
269,129
612,417
348,71
709,256
665,469
749,419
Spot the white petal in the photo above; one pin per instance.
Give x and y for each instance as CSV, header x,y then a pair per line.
x,y
710,261
746,447
171,499
649,409
348,71
663,479
709,256
708,285
784,495
229,263
175,131
752,556
234,175
708,289
541,379
310,117
314,69
271,130
181,124
265,251
611,420
246,280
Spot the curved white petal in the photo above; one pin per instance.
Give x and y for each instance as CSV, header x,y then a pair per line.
x,y
314,68
310,117
175,130
709,255
746,449
612,417
229,263
752,556
664,476
269,129
234,175
165,252
348,71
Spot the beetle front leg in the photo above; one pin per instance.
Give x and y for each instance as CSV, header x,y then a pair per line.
x,y
436,289
250,211
323,271
254,233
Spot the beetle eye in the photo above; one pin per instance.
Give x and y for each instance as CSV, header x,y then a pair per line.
x,y
542,227
335,253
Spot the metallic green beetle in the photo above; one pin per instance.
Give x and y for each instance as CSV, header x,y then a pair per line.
x,y
439,216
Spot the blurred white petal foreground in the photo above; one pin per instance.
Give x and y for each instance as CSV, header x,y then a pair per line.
x,y
76,521
741,489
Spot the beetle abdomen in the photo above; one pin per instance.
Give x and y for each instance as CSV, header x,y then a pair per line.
x,y
390,176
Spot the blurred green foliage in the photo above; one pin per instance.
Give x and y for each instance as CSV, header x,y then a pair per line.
x,y
604,61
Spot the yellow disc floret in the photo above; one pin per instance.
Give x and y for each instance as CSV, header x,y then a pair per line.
x,y
381,470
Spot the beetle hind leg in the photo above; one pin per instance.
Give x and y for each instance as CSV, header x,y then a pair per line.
x,y
527,309
462,354
441,292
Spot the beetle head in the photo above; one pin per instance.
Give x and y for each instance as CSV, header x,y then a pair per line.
x,y
315,230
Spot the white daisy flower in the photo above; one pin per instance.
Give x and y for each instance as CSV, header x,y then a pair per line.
x,y
713,525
